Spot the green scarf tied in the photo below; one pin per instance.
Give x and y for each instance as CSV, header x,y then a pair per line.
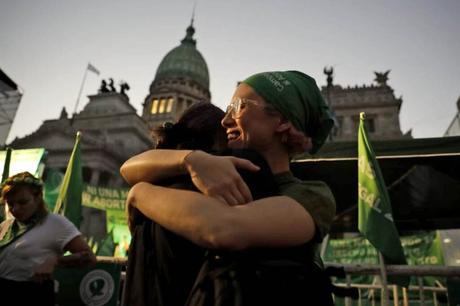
x,y
297,97
12,229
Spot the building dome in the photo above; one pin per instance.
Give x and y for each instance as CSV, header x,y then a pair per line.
x,y
185,61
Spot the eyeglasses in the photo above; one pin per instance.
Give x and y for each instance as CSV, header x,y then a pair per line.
x,y
237,105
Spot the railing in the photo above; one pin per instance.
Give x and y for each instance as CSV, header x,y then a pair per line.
x,y
398,296
375,291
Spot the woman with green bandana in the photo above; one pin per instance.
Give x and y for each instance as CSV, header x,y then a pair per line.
x,y
277,114
32,242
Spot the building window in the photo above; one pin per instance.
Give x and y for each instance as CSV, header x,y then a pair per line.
x,y
154,106
170,105
370,124
337,125
104,178
162,107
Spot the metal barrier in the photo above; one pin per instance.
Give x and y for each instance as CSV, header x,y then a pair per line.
x,y
399,296
375,290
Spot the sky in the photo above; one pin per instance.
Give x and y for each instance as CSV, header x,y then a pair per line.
x,y
45,47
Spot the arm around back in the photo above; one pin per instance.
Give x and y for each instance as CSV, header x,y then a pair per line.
x,y
153,166
270,222
215,176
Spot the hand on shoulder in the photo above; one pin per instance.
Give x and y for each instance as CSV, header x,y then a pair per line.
x,y
217,177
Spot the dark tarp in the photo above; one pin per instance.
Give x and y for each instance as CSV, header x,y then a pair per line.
x,y
422,175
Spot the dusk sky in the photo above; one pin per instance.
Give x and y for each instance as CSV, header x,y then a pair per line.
x,y
45,46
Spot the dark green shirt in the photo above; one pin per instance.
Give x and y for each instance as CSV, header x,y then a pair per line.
x,y
316,198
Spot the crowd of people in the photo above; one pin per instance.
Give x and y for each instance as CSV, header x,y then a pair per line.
x,y
216,215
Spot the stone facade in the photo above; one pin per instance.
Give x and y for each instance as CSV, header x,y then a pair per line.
x,y
169,98
10,97
111,133
377,101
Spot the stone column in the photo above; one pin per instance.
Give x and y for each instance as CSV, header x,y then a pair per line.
x,y
93,224
95,173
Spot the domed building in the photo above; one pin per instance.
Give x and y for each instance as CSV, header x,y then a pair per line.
x,y
182,78
112,131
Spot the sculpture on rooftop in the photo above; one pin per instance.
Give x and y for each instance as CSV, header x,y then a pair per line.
x,y
329,71
381,78
111,85
123,88
103,88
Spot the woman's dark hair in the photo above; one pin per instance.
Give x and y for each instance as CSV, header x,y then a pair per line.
x,y
261,183
198,128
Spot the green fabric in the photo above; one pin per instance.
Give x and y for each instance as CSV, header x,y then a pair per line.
x,y
316,198
106,246
15,229
68,202
296,96
375,217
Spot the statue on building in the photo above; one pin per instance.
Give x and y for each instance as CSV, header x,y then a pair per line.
x,y
103,88
123,88
381,78
111,85
329,71
64,114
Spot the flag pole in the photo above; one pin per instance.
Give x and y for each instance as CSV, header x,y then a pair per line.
x,y
68,202
6,165
81,89
5,174
383,277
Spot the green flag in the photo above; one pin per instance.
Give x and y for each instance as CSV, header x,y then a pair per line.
x,y
375,217
106,246
68,202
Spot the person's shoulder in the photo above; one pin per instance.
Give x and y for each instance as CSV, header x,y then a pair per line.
x,y
303,190
57,219
317,198
289,182
319,187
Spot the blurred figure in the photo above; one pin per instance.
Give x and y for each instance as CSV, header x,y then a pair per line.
x,y
33,242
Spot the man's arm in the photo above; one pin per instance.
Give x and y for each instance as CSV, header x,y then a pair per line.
x,y
270,222
215,176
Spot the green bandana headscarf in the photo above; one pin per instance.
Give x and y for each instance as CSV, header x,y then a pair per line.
x,y
297,97
12,229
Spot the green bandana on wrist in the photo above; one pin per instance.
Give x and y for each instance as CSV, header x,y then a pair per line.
x,y
297,97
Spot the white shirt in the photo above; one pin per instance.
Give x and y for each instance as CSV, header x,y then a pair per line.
x,y
19,259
